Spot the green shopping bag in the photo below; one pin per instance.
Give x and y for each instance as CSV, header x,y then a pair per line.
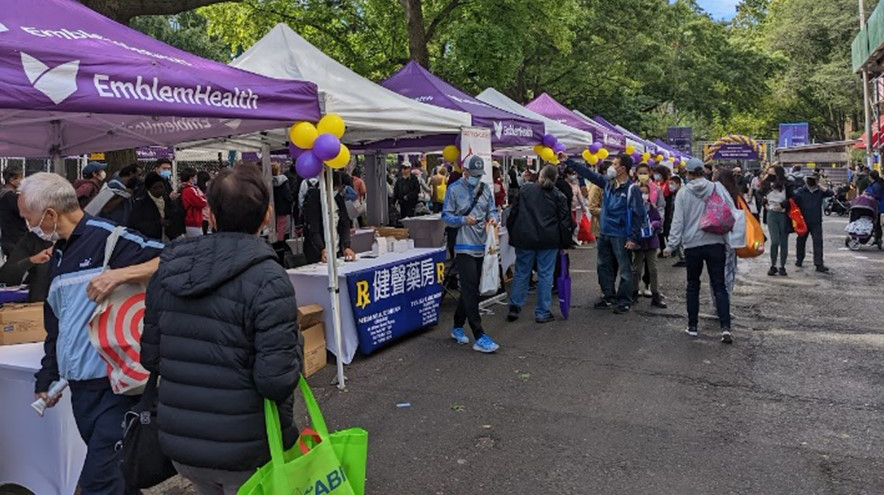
x,y
318,464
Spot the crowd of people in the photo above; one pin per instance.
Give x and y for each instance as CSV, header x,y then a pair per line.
x,y
220,325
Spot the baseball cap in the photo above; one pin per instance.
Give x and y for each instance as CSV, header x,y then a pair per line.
x,y
475,165
93,167
695,165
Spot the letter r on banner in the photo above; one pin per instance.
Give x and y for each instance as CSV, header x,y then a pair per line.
x,y
440,272
362,299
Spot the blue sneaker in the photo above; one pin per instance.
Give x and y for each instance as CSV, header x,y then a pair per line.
x,y
460,337
486,345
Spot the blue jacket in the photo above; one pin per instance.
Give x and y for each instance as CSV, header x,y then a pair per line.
x,y
66,314
614,204
876,191
458,197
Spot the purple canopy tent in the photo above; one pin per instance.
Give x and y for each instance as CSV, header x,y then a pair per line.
x,y
548,107
508,129
73,82
629,135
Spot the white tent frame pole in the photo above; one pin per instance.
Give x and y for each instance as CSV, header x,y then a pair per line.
x,y
268,178
326,189
55,148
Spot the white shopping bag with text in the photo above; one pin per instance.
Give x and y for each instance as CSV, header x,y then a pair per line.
x,y
490,281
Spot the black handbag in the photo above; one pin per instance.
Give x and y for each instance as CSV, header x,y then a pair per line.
x,y
143,463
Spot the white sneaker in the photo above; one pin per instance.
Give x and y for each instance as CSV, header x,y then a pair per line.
x,y
645,292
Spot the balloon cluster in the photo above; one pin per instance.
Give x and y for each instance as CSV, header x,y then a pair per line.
x,y
311,146
595,153
549,150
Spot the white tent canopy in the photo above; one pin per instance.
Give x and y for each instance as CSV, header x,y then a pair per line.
x,y
371,112
574,139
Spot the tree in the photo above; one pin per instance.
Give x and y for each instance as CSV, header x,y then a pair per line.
x,y
124,11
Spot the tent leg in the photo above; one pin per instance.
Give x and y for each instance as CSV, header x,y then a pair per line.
x,y
55,149
268,178
375,177
326,189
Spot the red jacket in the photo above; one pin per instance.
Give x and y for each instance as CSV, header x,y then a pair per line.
x,y
194,201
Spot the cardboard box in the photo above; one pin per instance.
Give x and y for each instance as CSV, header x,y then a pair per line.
x,y
315,357
309,315
21,324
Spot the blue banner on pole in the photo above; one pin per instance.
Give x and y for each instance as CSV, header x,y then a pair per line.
x,y
393,300
681,139
794,135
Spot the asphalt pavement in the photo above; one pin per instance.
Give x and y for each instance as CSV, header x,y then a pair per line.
x,y
605,403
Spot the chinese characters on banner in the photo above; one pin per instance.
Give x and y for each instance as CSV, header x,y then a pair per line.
x,y
395,299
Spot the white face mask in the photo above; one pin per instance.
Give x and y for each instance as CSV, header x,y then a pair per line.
x,y
38,231
612,172
646,198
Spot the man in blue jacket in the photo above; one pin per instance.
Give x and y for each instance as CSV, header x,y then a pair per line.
x,y
622,216
469,207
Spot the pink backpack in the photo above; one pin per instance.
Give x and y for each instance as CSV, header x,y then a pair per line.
x,y
717,218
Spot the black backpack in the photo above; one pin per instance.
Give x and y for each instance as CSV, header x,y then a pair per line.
x,y
175,213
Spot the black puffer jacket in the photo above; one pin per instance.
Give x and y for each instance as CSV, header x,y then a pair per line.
x,y
540,219
220,329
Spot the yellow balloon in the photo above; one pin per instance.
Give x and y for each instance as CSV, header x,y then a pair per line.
x,y
332,124
603,154
672,159
593,160
630,150
645,157
303,134
341,160
450,153
555,161
547,154
659,158
538,149
586,154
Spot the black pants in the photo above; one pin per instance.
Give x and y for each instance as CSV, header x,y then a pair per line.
x,y
815,231
469,269
715,257
99,413
407,209
437,207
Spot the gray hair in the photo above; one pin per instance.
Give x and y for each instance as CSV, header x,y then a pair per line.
x,y
44,190
548,176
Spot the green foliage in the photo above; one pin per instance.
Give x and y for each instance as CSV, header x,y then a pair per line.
x,y
645,64
187,31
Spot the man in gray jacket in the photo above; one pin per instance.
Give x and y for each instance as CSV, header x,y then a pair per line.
x,y
700,246
810,201
469,207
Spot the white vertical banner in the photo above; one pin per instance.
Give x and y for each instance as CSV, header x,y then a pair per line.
x,y
477,141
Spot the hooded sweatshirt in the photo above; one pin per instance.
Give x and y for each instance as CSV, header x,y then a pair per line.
x,y
221,330
690,205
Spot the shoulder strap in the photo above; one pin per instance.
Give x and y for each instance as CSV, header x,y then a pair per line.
x,y
110,244
478,195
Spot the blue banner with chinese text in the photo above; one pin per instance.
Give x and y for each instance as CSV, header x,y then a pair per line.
x,y
393,300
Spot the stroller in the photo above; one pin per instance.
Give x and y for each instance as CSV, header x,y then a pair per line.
x,y
863,223
838,203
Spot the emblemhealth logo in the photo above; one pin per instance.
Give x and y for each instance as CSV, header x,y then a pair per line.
x,y
511,130
56,83
3,28
498,129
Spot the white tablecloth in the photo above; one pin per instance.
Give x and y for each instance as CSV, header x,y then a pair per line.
x,y
311,287
45,455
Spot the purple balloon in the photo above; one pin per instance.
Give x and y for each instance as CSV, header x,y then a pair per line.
x,y
550,141
636,158
595,148
308,165
326,147
651,163
560,148
294,151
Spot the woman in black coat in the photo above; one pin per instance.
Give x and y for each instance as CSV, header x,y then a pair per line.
x,y
220,329
149,209
539,225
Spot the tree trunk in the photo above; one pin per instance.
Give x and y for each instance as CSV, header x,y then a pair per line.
x,y
417,35
118,159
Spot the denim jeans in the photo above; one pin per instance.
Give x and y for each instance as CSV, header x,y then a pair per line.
x,y
714,256
546,262
610,249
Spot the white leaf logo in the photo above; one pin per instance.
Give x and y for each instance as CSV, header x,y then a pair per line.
x,y
3,28
57,83
233,124
498,129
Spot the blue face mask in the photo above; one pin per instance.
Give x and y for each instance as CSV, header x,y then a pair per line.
x,y
166,174
473,181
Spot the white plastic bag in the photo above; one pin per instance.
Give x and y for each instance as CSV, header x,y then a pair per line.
x,y
490,281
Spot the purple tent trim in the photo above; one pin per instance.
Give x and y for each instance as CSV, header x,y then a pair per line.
x,y
508,129
74,81
547,106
